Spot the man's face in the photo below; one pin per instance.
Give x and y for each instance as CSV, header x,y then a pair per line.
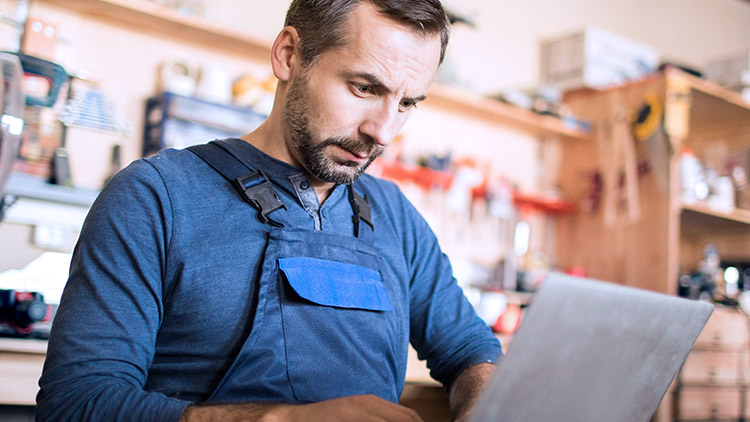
x,y
342,111
314,153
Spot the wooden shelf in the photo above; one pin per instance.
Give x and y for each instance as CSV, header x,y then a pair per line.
x,y
717,347
728,99
501,113
712,105
700,216
153,18
715,110
713,385
736,215
649,253
149,17
32,346
22,185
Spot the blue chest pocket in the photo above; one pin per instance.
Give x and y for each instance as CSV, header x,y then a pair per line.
x,y
333,283
339,325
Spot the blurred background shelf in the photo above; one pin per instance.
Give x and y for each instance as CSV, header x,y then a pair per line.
x,y
21,185
154,18
668,236
459,101
707,218
150,17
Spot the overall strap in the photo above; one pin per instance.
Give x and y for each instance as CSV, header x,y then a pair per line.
x,y
253,187
360,208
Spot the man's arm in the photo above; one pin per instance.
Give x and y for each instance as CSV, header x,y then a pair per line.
x,y
444,328
467,388
355,408
103,337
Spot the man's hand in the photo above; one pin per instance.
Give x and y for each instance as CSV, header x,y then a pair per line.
x,y
467,388
366,408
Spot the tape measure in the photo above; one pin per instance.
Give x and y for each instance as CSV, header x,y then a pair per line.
x,y
649,118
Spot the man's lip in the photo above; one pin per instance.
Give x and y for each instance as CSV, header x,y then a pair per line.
x,y
358,155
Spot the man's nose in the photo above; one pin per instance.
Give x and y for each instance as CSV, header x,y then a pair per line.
x,y
382,123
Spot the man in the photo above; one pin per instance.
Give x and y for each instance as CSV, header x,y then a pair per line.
x,y
186,303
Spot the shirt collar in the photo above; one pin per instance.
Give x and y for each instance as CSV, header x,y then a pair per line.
x,y
279,171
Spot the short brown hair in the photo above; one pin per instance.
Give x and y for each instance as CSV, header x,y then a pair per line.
x,y
320,23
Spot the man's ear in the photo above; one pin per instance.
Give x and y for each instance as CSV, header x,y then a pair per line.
x,y
284,55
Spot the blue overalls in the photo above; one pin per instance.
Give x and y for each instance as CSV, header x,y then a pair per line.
x,y
318,291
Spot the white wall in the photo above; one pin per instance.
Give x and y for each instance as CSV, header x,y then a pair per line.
x,y
502,52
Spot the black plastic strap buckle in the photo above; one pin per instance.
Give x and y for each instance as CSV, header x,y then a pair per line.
x,y
259,192
361,208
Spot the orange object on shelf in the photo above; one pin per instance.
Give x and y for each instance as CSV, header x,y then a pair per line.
x,y
509,321
543,204
421,176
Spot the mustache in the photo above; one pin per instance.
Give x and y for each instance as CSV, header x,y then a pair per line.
x,y
363,145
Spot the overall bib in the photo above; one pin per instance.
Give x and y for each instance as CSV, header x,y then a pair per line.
x,y
325,325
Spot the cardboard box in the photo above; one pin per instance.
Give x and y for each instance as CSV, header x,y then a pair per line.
x,y
594,58
728,72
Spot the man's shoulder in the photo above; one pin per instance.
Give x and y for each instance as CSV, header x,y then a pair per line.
x,y
173,166
171,159
170,167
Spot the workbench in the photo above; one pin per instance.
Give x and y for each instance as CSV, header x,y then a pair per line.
x,y
21,362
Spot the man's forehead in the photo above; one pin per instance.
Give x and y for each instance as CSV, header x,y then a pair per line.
x,y
385,46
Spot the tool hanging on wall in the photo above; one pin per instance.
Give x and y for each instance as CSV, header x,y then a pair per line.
x,y
57,77
11,119
649,130
42,80
620,166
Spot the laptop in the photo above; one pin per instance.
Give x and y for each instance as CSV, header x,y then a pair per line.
x,y
592,351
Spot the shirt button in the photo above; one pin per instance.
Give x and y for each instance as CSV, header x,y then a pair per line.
x,y
304,184
323,213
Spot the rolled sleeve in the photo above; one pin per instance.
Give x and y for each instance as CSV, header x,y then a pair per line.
x,y
445,329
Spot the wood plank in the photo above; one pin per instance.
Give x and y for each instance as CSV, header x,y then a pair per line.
x,y
21,362
634,253
501,113
724,95
153,18
430,401
712,367
696,216
19,373
737,215
706,403
31,346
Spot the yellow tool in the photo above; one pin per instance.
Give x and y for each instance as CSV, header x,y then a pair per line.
x,y
649,130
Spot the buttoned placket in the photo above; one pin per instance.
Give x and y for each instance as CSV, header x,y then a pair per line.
x,y
307,197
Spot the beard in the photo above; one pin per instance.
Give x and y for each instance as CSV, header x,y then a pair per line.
x,y
312,153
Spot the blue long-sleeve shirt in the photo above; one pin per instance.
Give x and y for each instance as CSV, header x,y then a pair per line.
x,y
161,296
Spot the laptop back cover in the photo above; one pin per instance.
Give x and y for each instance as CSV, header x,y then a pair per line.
x,y
592,351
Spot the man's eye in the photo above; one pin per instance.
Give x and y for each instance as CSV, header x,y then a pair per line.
x,y
364,89
407,104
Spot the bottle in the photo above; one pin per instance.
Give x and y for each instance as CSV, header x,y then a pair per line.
x,y
691,176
